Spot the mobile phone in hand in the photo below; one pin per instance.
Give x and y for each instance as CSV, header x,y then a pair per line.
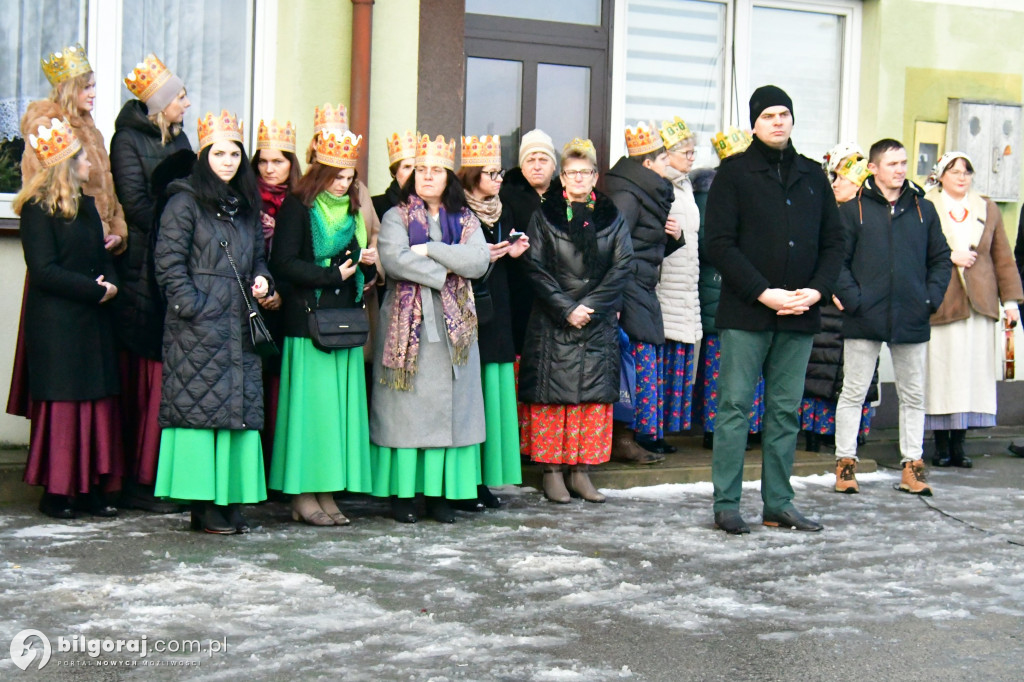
x,y
513,237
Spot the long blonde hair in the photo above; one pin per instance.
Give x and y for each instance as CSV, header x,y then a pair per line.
x,y
55,188
65,93
168,130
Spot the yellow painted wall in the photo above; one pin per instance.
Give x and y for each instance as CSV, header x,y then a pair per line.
x,y
314,53
917,54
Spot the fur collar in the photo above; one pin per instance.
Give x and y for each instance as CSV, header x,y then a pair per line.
x,y
553,209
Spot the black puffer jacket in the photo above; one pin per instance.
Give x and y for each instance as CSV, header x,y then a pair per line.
x,y
644,198
297,274
896,268
135,153
824,377
709,284
520,201
212,376
560,364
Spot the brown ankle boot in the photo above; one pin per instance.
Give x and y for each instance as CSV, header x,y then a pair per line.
x,y
846,476
626,449
580,485
554,484
913,479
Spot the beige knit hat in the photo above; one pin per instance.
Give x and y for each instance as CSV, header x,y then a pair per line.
x,y
536,141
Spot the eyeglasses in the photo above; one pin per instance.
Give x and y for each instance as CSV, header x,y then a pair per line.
x,y
959,173
495,176
585,174
689,153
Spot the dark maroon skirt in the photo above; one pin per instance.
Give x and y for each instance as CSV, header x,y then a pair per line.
x,y
271,394
141,380
18,402
75,446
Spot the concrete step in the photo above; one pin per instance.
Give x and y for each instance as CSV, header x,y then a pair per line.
x,y
12,470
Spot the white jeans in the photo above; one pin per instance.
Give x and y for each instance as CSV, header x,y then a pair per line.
x,y
908,363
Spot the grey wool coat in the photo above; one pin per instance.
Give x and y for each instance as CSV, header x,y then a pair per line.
x,y
445,407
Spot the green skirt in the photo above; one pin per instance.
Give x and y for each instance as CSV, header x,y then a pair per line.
x,y
218,465
322,438
500,452
436,472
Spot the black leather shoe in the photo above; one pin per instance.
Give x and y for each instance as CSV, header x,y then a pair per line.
x,y
95,504
791,519
813,442
941,456
57,506
403,509
731,522
957,456
489,499
236,519
650,445
666,449
439,510
211,518
474,505
1016,449
136,496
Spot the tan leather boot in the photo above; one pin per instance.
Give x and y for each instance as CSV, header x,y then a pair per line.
x,y
554,484
913,479
846,476
580,485
626,449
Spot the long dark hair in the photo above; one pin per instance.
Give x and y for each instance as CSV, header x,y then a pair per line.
x,y
318,178
211,190
294,173
453,198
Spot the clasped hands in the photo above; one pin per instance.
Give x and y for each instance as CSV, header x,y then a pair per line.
x,y
786,302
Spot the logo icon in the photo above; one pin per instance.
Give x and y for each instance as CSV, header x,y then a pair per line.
x,y
22,654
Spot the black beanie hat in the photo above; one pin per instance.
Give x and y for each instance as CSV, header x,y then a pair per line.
x,y
769,96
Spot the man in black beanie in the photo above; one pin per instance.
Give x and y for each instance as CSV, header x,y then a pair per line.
x,y
773,232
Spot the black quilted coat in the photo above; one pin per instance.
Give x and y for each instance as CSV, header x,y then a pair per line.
x,y
135,153
644,198
824,378
560,364
212,377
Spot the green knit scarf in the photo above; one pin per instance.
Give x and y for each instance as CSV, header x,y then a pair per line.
x,y
333,228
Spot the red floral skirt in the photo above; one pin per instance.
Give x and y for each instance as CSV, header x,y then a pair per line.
x,y
567,434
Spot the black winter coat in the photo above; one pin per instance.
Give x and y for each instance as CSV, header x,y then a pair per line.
x,y
896,268
560,364
644,198
824,377
1018,249
709,283
297,275
763,232
519,202
135,153
382,203
495,339
69,334
212,376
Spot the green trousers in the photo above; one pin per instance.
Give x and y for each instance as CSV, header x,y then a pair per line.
x,y
782,358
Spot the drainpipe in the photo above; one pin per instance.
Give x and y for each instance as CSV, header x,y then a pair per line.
x,y
359,90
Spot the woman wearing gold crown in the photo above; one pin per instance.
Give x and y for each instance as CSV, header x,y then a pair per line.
x,y
209,264
481,176
277,174
322,255
148,151
72,97
579,260
427,413
72,366
401,159
962,366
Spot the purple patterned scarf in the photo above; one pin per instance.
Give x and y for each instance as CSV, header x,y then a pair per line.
x,y
402,343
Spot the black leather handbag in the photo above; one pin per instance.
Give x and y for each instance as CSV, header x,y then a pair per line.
x,y
333,329
482,298
262,341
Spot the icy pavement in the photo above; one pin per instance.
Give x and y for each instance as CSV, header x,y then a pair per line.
x,y
641,587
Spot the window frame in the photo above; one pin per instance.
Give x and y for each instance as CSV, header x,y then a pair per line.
x,y
104,28
738,33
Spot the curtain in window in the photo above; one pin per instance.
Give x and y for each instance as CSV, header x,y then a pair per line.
x,y
29,31
207,44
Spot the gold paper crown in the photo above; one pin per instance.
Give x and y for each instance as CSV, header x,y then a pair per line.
x,y
218,128
581,146
54,144
854,169
435,152
485,151
642,141
675,131
401,146
68,63
276,136
338,148
330,118
147,77
730,142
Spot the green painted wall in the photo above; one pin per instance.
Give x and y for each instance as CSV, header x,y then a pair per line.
x,y
916,54
314,51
